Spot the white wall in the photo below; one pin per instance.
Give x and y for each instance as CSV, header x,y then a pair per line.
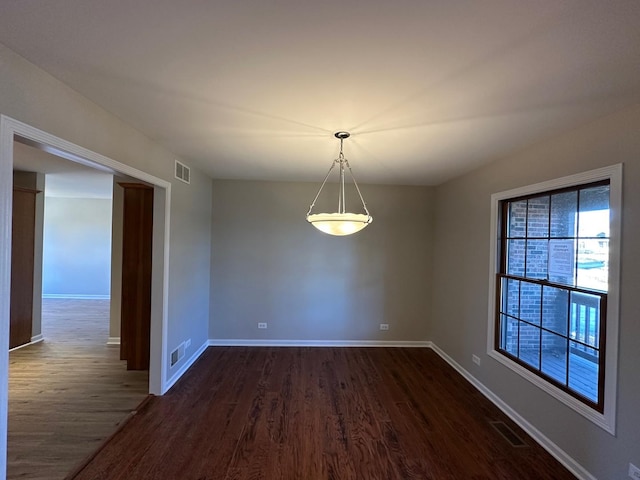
x,y
461,270
77,247
270,265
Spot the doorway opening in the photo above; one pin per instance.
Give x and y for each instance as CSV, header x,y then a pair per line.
x,y
15,133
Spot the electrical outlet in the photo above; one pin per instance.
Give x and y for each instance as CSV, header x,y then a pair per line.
x,y
262,325
634,472
384,326
187,344
476,359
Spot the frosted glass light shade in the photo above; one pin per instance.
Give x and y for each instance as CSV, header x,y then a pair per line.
x,y
339,223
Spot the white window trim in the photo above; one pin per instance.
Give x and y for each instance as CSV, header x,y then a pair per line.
x,y
607,419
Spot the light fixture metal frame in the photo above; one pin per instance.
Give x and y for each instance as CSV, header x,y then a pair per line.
x,y
341,215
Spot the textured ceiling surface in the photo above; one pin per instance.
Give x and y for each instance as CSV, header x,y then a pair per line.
x,y
255,89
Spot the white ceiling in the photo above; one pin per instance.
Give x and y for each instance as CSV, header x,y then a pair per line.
x,y
63,178
254,89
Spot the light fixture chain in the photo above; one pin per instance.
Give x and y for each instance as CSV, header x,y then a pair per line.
x,y
322,186
341,200
364,205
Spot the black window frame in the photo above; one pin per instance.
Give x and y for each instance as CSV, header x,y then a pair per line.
x,y
502,276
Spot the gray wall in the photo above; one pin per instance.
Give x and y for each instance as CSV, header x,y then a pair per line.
x,y
191,264
77,247
270,265
34,97
461,300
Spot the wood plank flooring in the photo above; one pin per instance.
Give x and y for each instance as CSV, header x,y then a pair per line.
x,y
319,413
68,393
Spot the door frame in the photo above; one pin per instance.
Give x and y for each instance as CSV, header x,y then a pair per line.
x,y
10,130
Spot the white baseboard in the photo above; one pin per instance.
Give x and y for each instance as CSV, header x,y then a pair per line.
x,y
314,343
113,341
37,339
184,367
76,296
559,454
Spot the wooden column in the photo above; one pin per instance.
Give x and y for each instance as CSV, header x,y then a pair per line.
x,y
136,275
22,265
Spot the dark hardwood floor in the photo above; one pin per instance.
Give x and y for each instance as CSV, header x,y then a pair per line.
x,y
320,413
68,393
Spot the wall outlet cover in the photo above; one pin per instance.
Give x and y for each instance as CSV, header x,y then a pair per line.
x,y
384,326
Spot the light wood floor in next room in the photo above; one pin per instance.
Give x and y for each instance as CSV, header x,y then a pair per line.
x,y
68,393
319,414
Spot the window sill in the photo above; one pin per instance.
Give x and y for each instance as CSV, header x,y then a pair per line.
x,y
603,421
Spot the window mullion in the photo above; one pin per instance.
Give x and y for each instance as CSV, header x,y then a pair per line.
x,y
576,241
526,237
549,232
568,342
524,271
540,328
519,316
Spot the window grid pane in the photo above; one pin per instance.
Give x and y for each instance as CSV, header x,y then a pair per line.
x,y
555,309
530,306
554,356
511,297
529,344
563,212
537,258
517,227
538,217
516,257
582,374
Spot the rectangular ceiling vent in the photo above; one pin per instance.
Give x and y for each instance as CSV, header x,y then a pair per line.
x,y
183,172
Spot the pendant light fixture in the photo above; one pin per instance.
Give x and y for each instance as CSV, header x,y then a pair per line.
x,y
340,222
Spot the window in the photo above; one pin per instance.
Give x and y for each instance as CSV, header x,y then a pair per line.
x,y
555,269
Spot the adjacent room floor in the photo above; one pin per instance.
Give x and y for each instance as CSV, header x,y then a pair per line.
x,y
68,393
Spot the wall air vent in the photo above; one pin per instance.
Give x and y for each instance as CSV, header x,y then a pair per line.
x,y
177,354
183,172
508,434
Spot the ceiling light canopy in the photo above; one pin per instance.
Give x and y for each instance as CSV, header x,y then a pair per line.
x,y
341,222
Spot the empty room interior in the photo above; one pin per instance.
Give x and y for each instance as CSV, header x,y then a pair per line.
x,y
319,240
